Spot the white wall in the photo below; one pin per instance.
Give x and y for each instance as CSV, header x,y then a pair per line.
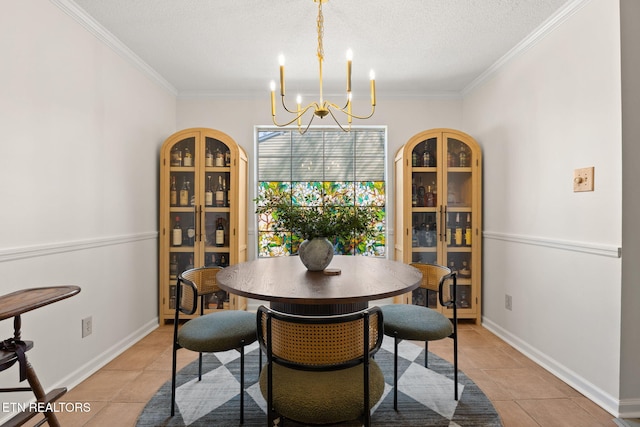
x,y
237,118
551,109
81,131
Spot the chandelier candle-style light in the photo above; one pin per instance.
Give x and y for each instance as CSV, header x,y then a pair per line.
x,y
324,107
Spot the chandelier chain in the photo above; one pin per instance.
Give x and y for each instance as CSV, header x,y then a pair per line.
x,y
320,24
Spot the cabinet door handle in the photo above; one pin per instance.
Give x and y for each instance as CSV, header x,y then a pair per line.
x,y
443,222
196,211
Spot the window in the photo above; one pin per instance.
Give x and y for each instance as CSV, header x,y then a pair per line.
x,y
325,166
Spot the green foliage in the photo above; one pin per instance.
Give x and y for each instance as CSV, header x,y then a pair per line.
x,y
331,221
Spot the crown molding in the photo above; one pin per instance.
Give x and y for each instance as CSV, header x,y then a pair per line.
x,y
83,18
79,15
527,43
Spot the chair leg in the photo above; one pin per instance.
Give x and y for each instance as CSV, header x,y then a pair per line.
x,y
38,391
395,373
426,354
173,381
242,384
199,366
455,366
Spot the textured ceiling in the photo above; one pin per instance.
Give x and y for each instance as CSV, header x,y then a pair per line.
x,y
416,47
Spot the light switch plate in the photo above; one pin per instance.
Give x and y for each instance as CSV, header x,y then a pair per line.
x,y
583,179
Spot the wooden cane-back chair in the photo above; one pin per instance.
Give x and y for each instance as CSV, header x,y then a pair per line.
x,y
319,368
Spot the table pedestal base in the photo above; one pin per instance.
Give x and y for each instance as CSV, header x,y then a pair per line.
x,y
318,309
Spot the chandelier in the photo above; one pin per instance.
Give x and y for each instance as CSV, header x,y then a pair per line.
x,y
322,108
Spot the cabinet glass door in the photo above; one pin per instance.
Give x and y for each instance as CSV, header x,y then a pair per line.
x,y
182,211
459,217
216,218
425,211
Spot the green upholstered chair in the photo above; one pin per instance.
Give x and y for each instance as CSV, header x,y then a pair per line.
x,y
208,333
419,323
319,368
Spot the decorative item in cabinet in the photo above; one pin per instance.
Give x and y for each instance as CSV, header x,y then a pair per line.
x,y
438,212
203,211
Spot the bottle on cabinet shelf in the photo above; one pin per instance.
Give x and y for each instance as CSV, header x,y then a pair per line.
x,y
219,233
173,192
184,193
208,194
414,158
467,231
191,234
187,160
463,157
428,198
208,158
190,265
219,193
218,158
426,157
227,158
452,266
225,192
173,267
458,232
414,193
448,231
176,233
176,156
465,271
434,192
421,193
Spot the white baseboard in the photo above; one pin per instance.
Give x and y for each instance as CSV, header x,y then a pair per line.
x,y
595,394
85,371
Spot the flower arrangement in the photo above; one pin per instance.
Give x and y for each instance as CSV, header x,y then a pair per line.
x,y
308,222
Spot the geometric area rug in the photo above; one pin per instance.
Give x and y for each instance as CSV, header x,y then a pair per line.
x,y
425,396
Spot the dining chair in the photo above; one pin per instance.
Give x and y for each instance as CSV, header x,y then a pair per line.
x,y
320,369
208,333
420,323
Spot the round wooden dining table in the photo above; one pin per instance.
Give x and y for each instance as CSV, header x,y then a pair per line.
x,y
291,288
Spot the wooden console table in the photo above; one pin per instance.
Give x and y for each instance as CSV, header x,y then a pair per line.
x,y
13,349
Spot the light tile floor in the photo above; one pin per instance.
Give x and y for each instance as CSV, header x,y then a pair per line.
x,y
523,393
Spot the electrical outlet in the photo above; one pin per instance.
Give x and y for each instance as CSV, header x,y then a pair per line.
x,y
508,302
87,326
583,179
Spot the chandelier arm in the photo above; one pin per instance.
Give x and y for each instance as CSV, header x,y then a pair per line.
x,y
373,109
302,132
348,129
288,110
302,112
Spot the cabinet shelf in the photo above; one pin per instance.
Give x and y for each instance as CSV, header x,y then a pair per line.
x,y
459,248
220,249
454,214
424,249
